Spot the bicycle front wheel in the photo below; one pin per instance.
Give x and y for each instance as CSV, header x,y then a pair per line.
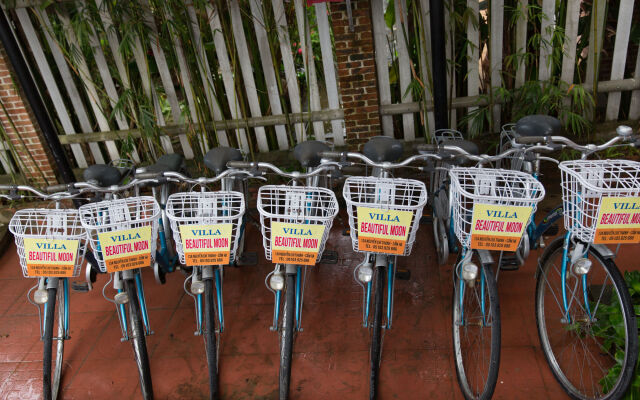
x,y
376,333
286,336
51,384
210,338
476,333
592,349
138,340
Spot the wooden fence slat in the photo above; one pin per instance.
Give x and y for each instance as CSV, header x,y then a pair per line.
x,y
382,63
450,35
5,159
165,76
227,74
521,41
309,65
87,80
287,62
596,30
69,83
268,70
50,82
571,33
497,22
473,52
634,107
403,65
623,31
247,72
547,25
205,75
329,70
426,64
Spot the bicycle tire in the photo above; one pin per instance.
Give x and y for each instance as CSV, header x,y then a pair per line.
x,y
286,337
376,339
138,340
544,314
51,382
210,339
441,241
483,387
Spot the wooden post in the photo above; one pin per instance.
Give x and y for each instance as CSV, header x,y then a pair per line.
x,y
356,71
22,129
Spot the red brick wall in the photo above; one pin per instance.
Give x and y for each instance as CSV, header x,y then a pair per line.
x,y
356,71
26,138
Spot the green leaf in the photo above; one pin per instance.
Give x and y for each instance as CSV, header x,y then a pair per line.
x,y
390,14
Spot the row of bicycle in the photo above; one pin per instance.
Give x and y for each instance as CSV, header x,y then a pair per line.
x,y
486,215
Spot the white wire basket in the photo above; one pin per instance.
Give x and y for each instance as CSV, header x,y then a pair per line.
x,y
586,182
48,224
387,194
120,215
296,205
206,208
499,187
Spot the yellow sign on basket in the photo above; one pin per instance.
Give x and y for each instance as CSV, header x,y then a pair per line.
x,y
295,243
383,231
50,257
126,249
618,220
206,244
497,227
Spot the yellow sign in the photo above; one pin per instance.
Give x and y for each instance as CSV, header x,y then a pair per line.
x,y
618,220
126,249
383,231
50,257
498,227
295,243
206,244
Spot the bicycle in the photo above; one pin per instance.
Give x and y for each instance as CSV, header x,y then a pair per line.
x,y
295,223
578,285
384,214
207,227
51,245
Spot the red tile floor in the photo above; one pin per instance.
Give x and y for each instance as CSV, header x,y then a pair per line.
x,y
330,355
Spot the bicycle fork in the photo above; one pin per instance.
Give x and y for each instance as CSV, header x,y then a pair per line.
x,y
199,275
579,269
378,261
121,299
44,284
274,286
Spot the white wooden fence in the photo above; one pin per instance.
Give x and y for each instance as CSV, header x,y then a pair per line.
x,y
485,57
86,83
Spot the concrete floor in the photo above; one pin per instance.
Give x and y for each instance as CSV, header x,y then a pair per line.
x,y
330,355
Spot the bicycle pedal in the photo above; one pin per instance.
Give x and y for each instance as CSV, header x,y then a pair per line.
x,y
81,287
509,263
329,257
403,274
247,258
426,220
346,232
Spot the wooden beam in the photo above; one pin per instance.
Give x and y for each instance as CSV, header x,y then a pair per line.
x,y
175,130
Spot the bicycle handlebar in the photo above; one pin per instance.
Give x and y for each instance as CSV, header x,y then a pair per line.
x,y
294,175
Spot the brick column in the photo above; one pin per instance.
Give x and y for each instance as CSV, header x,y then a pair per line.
x,y
35,157
356,71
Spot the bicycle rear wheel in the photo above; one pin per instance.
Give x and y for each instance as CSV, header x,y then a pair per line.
x,y
286,336
476,334
376,333
210,338
592,350
138,340
51,384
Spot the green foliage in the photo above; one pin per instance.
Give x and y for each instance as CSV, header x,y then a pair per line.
x,y
610,328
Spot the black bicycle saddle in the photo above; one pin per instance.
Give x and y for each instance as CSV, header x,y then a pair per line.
x,y
383,149
216,159
538,125
308,153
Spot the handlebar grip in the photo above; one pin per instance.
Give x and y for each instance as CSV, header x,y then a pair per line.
x,y
331,154
241,164
148,175
5,188
58,188
531,139
432,148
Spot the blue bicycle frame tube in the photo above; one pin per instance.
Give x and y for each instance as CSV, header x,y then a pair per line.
x,y
65,288
461,284
584,294
276,316
298,296
390,282
199,311
219,298
366,308
482,298
563,274
123,315
143,303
